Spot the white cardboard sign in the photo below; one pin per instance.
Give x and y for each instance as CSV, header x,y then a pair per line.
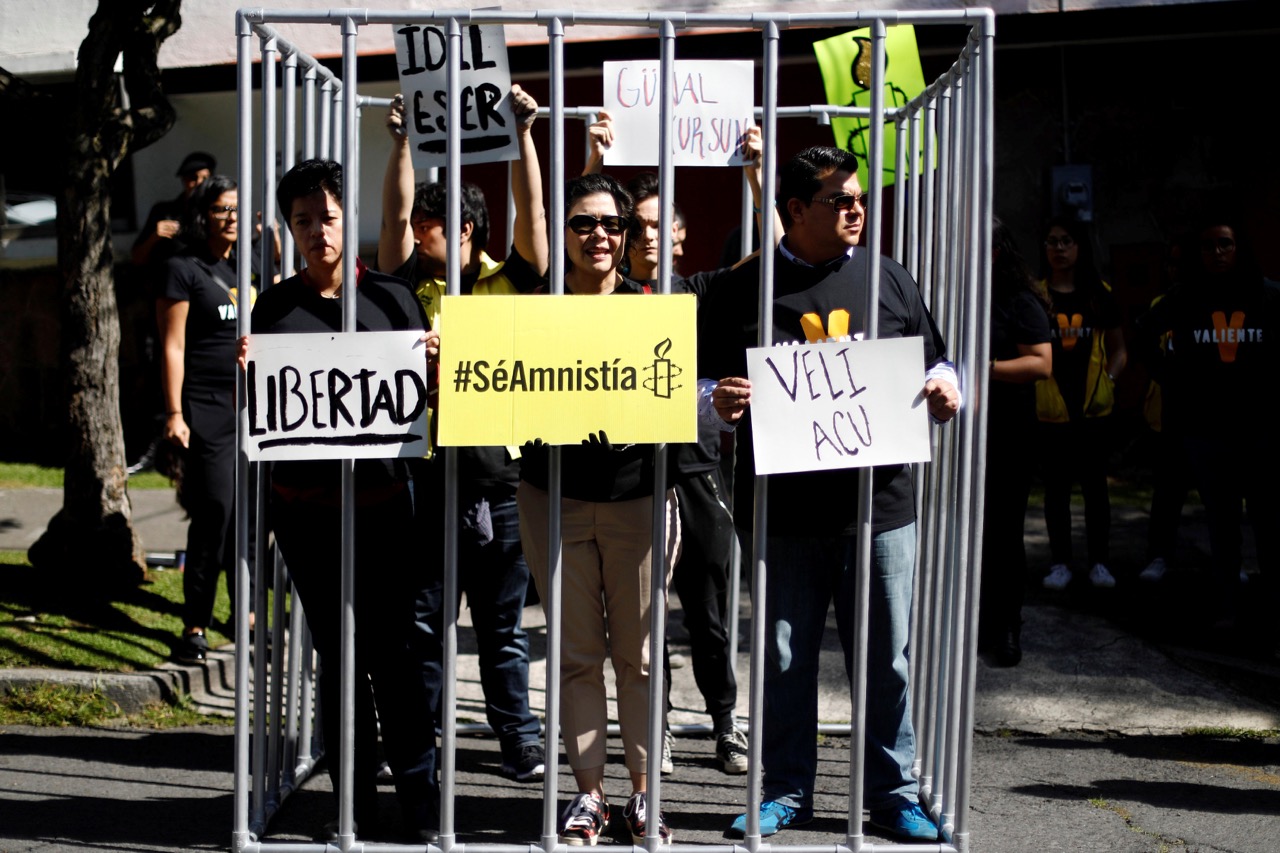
x,y
361,395
488,122
817,407
714,103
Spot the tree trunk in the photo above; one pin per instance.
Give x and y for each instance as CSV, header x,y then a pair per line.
x,y
91,541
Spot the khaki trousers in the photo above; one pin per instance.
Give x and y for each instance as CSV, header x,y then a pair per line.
x,y
607,560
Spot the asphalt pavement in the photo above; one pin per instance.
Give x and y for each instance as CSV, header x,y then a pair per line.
x,y
1114,734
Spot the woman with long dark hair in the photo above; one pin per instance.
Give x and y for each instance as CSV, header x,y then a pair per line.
x,y
1075,403
606,522
1020,355
196,315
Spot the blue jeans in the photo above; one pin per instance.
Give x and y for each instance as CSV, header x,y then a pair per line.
x,y
495,578
805,575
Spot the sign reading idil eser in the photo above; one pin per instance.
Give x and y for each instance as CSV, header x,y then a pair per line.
x,y
484,78
361,395
816,407
714,103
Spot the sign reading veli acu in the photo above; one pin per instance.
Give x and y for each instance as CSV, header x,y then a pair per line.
x,y
488,122
361,395
816,407
714,105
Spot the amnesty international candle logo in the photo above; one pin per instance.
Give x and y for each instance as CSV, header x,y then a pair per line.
x,y
662,382
515,368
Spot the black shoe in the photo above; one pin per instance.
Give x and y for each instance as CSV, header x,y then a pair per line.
x,y
1009,649
329,834
422,836
528,765
192,648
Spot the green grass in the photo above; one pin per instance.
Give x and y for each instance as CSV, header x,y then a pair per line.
x,y
20,475
1231,733
43,624
64,705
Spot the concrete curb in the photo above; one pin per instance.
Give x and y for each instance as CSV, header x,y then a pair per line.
x,y
209,685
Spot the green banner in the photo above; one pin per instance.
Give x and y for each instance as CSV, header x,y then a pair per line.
x,y
845,61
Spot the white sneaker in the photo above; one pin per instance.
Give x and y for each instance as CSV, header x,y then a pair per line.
x,y
1100,577
1058,578
1154,571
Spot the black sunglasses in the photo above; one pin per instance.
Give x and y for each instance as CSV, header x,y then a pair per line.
x,y
844,202
584,224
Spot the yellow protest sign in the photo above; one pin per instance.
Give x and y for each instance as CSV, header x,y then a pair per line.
x,y
845,61
515,368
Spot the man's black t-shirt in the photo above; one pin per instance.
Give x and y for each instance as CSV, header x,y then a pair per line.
x,y
383,304
828,303
209,286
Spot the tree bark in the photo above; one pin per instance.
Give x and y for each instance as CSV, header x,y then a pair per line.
x,y
92,538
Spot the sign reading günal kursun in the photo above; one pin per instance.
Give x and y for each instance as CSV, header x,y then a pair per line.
x,y
516,368
361,395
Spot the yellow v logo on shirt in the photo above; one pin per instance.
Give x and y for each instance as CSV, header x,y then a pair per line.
x,y
1069,330
1228,342
837,326
233,293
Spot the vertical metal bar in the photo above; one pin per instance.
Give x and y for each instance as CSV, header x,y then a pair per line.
x,y
350,244
265,743
324,144
289,151
553,608
746,222
875,177
986,165
913,204
453,279
899,189
241,834
760,529
310,119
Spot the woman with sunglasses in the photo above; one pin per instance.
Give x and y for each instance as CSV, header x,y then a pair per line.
x,y
1075,403
606,522
196,316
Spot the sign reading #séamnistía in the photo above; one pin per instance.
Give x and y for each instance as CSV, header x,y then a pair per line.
x,y
361,395
484,78
816,407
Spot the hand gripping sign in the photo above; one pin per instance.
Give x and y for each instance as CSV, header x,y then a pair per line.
x,y
516,368
360,395
816,407
488,122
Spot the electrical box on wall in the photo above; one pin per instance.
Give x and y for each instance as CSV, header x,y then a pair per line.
x,y
1073,192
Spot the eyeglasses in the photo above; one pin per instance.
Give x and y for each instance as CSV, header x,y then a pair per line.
x,y
222,214
845,203
1059,243
584,224
1222,244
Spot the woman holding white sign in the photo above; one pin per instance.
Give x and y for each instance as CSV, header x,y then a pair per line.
x,y
606,522
306,515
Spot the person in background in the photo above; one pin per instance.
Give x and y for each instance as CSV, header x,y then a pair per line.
x,y
1222,318
1074,405
1020,355
161,236
607,540
196,315
491,566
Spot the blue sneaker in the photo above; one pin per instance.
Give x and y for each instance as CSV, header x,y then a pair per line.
x,y
907,820
773,817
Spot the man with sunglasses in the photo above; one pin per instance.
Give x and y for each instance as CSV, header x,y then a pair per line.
x,y
820,284
491,566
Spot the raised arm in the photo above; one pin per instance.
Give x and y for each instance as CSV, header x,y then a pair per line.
x,y
530,226
395,238
599,138
753,152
